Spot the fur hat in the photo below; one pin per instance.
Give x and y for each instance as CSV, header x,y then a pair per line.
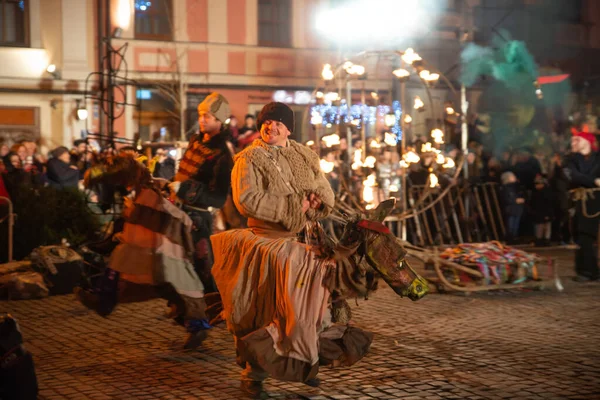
x,y
276,111
216,105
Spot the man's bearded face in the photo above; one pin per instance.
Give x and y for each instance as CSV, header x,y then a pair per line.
x,y
274,133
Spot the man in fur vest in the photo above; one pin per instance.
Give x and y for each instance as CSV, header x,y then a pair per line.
x,y
274,300
201,184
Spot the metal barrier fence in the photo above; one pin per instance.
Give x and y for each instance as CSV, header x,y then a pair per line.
x,y
465,214
10,219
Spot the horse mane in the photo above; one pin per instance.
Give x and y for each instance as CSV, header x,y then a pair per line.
x,y
120,170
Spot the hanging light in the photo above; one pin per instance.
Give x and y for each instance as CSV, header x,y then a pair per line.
x,y
327,73
401,74
81,112
52,70
437,135
419,105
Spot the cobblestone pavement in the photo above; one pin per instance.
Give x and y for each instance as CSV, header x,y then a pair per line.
x,y
515,345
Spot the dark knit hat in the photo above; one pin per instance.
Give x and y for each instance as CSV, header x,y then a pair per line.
x,y
59,151
276,111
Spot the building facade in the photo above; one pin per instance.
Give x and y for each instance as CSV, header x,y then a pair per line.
x,y
252,51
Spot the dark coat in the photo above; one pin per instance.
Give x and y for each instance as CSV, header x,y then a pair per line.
x,y
541,205
509,193
61,175
581,172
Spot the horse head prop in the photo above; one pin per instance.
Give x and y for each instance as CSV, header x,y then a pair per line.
x,y
369,239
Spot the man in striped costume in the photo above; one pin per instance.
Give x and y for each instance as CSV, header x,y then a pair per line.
x,y
202,184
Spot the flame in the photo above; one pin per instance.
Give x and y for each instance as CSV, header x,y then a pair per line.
x,y
374,144
410,56
401,73
326,166
437,135
390,139
394,188
407,119
418,103
370,162
428,76
440,159
433,180
411,157
368,191
449,163
331,140
310,143
427,148
404,164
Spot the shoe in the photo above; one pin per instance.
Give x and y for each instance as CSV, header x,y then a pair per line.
x,y
313,382
89,300
581,279
195,339
254,389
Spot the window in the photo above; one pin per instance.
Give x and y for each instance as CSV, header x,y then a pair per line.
x,y
13,23
154,19
274,23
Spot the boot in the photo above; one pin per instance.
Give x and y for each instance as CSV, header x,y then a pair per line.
x,y
195,339
253,389
90,300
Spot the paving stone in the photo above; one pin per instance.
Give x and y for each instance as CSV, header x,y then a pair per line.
x,y
508,345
